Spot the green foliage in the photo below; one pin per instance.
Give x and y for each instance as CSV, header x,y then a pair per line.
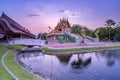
x,y
110,22
87,31
43,36
116,35
105,31
80,30
76,29
109,33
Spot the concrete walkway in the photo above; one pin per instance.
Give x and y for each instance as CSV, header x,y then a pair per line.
x,y
6,68
55,45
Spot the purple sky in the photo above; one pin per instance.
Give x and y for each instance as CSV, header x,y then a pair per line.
x,y
37,15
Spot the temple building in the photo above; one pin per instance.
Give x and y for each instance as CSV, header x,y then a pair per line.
x,y
60,29
10,29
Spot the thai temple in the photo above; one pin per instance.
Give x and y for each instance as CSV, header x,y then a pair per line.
x,y
10,29
60,30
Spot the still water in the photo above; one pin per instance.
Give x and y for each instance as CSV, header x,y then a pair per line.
x,y
104,65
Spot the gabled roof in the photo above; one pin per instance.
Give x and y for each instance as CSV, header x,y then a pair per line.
x,y
13,26
2,31
5,28
11,21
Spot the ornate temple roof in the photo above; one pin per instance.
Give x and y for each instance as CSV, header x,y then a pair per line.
x,y
63,23
9,26
58,30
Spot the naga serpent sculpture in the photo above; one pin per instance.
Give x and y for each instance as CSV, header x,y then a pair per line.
x,y
96,33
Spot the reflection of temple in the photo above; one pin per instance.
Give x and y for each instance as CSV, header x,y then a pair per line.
x,y
10,29
64,58
80,63
59,31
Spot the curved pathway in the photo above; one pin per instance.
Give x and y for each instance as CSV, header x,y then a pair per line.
x,y
6,68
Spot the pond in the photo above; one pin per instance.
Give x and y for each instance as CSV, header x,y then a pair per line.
x,y
103,65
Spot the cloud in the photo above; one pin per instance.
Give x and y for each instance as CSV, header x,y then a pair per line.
x,y
34,7
33,15
70,13
34,10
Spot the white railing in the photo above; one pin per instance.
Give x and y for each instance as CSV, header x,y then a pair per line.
x,y
34,42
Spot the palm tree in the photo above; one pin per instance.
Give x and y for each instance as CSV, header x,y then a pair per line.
x,y
110,23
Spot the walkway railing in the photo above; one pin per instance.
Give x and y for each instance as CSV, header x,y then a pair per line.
x,y
28,42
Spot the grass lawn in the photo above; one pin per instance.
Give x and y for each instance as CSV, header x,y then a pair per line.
x,y
3,73
80,49
11,64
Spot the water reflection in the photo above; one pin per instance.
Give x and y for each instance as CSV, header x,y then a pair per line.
x,y
94,65
80,63
63,58
110,56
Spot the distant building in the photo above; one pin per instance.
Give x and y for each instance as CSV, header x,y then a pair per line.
x,y
10,29
59,31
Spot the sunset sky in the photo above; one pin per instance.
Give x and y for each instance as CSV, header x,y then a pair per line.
x,y
37,15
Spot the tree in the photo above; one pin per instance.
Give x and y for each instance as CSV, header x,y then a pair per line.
x,y
87,31
116,36
81,30
110,23
39,36
76,29
103,33
43,36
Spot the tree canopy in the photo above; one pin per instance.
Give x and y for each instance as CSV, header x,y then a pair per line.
x,y
105,33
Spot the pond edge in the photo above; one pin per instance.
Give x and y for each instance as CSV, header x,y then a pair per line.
x,y
95,49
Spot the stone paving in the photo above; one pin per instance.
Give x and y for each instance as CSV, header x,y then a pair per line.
x,y
55,45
